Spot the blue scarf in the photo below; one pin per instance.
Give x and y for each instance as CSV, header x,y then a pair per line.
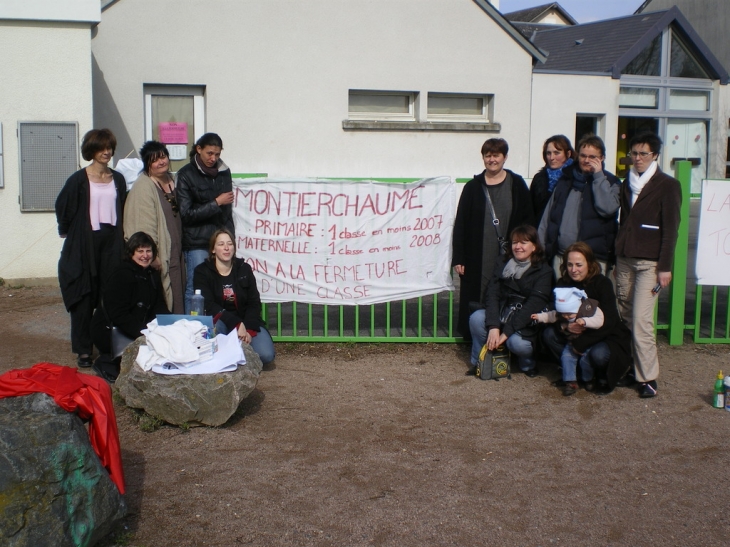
x,y
555,174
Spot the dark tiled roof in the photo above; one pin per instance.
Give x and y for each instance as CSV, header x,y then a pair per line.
x,y
530,15
606,47
529,29
593,47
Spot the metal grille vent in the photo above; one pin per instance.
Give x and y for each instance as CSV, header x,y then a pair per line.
x,y
48,156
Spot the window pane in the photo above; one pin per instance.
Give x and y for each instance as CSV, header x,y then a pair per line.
x,y
458,106
174,108
638,97
683,64
648,62
682,99
380,103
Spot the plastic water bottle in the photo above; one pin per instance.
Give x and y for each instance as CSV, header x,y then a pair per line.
x,y
727,393
197,304
718,396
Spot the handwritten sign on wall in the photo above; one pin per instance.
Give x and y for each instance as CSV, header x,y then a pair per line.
x,y
345,242
173,132
713,240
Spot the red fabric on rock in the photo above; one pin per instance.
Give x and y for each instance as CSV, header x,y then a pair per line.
x,y
89,396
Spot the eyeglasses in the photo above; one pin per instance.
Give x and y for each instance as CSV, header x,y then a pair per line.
x,y
642,155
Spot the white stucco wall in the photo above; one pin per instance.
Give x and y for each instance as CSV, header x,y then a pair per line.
x,y
46,76
87,11
557,98
718,154
277,75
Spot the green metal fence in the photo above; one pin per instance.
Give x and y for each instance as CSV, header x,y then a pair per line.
x,y
703,311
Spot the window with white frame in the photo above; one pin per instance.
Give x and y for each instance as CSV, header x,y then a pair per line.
x,y
458,107
381,105
175,116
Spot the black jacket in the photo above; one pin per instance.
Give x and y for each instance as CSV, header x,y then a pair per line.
x,y
133,297
598,231
613,332
535,286
248,301
468,238
201,215
540,194
76,269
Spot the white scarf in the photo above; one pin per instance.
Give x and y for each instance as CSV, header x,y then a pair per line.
x,y
637,182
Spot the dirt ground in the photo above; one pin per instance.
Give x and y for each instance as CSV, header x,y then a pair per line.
x,y
391,445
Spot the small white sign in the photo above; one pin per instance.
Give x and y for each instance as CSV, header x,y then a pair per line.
x,y
713,240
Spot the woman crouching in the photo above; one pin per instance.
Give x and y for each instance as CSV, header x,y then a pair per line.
x,y
132,298
229,288
520,286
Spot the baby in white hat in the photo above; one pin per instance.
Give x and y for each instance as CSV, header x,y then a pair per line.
x,y
572,305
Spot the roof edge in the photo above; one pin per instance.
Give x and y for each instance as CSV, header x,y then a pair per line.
x,y
672,15
516,35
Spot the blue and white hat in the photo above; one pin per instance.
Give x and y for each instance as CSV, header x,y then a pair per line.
x,y
568,299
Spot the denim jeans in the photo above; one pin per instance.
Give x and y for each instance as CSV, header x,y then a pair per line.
x,y
193,258
595,357
262,343
520,347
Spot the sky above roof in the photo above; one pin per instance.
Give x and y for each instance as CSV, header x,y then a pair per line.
x,y
583,11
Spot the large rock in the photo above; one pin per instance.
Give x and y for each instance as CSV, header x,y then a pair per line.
x,y
201,399
53,488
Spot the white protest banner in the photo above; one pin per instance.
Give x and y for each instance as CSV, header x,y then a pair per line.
x,y
345,242
713,239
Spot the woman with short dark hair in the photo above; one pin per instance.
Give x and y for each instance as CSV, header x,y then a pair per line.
x,y
152,207
89,212
476,245
133,297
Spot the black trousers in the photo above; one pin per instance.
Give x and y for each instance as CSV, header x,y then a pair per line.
x,y
105,261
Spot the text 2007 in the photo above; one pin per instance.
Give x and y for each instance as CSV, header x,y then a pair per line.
x,y
429,223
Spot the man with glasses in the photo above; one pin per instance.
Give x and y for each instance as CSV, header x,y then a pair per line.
x,y
650,203
583,207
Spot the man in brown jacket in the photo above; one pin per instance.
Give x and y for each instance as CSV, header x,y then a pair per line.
x,y
650,203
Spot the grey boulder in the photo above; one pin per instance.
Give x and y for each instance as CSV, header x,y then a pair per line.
x,y
203,399
53,488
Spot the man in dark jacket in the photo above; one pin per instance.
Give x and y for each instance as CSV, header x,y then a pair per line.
x,y
583,207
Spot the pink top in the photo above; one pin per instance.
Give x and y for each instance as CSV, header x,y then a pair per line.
x,y
102,204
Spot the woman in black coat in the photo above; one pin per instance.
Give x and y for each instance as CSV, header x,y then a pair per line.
x,y
133,297
607,349
475,242
521,282
229,288
557,153
89,212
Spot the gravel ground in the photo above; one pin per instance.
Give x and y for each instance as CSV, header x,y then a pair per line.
x,y
391,445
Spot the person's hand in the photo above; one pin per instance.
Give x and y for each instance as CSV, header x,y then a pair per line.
x,y
664,278
226,198
576,328
533,317
243,335
459,268
62,236
595,165
156,264
495,339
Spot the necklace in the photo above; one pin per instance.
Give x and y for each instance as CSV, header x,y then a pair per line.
x,y
169,194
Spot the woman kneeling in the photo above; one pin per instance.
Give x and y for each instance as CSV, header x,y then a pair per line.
x,y
520,286
229,288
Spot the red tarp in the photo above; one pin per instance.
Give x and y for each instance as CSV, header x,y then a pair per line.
x,y
89,396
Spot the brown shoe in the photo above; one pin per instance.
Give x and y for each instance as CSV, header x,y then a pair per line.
x,y
569,388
